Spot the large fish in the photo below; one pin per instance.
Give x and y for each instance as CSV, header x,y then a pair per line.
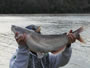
x,y
39,43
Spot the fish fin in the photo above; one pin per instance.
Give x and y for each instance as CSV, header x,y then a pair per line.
x,y
80,39
40,55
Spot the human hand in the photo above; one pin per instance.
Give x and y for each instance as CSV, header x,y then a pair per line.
x,y
20,38
71,37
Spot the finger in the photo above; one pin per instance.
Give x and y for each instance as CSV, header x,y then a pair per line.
x,y
69,39
72,38
20,41
20,38
70,35
16,35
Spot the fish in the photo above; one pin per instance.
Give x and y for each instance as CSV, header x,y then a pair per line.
x,y
42,44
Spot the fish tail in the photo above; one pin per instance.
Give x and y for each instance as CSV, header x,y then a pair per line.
x,y
79,30
79,38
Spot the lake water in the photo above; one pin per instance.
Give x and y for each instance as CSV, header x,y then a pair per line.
x,y
50,24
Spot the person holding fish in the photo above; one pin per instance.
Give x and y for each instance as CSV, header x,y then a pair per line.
x,y
24,58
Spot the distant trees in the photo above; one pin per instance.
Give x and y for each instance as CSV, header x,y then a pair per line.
x,y
44,6
70,6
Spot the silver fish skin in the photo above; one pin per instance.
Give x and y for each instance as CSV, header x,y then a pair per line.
x,y
45,43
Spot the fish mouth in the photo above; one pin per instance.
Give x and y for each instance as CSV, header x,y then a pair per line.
x,y
59,50
13,28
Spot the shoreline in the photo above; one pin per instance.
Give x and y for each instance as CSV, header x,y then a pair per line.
x,y
65,14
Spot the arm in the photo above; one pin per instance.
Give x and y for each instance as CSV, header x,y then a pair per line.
x,y
20,59
63,58
60,59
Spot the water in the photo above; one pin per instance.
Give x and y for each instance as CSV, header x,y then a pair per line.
x,y
50,24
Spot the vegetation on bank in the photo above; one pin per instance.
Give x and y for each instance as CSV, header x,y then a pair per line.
x,y
44,6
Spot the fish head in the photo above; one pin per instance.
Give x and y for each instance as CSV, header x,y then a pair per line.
x,y
20,29
14,28
17,29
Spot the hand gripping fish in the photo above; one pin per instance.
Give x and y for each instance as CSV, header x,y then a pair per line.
x,y
42,44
